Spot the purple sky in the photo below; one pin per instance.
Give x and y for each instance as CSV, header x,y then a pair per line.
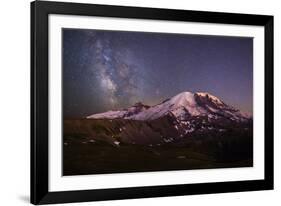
x,y
106,70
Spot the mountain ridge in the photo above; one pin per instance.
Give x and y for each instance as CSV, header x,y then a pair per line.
x,y
183,106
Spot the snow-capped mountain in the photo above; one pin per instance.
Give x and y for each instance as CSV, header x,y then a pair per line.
x,y
183,106
181,120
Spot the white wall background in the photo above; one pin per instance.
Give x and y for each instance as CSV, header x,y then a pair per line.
x,y
14,102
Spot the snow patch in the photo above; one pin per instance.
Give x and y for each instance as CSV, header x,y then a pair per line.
x,y
116,143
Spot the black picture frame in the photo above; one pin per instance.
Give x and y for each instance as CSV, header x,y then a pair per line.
x,y
39,102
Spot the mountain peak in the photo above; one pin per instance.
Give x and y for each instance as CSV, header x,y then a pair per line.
x,y
183,99
185,93
140,104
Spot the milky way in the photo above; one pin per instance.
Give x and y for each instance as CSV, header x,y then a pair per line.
x,y
107,70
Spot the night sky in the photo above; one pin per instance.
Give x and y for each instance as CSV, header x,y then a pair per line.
x,y
107,70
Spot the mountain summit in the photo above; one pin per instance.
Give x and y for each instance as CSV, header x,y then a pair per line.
x,y
183,106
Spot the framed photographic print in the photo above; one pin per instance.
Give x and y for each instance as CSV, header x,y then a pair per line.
x,y
133,102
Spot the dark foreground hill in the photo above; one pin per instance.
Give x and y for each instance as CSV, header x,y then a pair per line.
x,y
94,146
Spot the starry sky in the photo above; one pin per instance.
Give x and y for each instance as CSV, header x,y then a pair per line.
x,y
108,70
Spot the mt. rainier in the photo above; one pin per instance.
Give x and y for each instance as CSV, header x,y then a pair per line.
x,y
186,126
184,106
